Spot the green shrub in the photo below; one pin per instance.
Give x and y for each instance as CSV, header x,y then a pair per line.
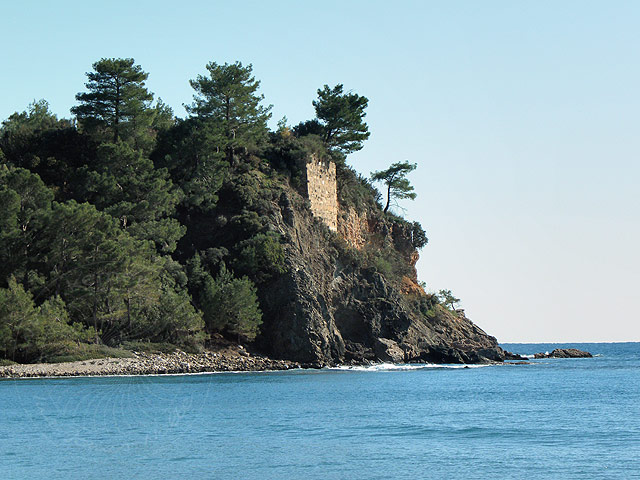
x,y
70,352
171,319
427,305
231,305
27,332
149,347
383,266
356,191
260,257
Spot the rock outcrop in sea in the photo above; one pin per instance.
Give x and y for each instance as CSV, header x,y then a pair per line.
x,y
564,353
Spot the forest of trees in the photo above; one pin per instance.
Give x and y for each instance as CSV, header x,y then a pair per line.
x,y
108,219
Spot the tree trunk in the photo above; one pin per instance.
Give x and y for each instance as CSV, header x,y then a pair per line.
x,y
230,135
95,304
116,120
386,207
128,301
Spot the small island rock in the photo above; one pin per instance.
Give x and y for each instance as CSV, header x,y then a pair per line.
x,y
564,353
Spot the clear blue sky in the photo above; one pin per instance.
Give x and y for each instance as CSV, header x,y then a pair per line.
x,y
522,117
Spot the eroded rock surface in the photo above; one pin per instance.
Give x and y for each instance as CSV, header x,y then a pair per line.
x,y
327,309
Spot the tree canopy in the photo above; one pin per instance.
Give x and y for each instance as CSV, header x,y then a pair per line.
x,y
26,137
117,100
394,177
228,97
125,184
340,119
190,151
36,118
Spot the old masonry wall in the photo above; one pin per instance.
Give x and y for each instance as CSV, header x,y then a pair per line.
x,y
322,191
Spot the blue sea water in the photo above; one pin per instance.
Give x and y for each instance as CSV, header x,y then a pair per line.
x,y
555,418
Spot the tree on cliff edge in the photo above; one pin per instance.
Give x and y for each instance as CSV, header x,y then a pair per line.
x,y
394,178
447,298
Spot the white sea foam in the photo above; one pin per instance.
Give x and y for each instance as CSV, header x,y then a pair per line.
x,y
388,367
376,367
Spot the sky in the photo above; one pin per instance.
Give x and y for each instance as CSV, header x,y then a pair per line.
x,y
522,117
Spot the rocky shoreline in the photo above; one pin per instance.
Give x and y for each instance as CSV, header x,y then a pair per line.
x,y
232,358
141,363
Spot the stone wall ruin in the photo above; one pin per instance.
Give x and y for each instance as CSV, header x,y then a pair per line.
x,y
322,190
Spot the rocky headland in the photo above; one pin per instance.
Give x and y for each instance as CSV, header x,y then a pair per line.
x,y
189,229
353,296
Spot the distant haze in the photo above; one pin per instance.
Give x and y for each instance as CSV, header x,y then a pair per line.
x,y
522,117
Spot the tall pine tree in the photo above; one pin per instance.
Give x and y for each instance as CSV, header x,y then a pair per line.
x,y
341,119
117,101
228,97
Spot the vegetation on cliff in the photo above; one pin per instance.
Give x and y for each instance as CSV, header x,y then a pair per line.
x,y
127,224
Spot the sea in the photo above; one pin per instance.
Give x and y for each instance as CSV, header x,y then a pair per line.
x,y
549,419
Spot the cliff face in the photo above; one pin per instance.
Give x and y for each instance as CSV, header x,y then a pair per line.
x,y
331,307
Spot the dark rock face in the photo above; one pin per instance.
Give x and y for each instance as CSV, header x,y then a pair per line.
x,y
328,310
564,353
513,356
388,350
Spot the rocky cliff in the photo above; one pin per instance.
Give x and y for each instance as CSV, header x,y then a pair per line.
x,y
353,297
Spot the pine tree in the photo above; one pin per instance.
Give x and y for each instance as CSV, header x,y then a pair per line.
x,y
228,97
125,184
341,118
28,331
117,100
25,201
191,152
394,178
448,299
